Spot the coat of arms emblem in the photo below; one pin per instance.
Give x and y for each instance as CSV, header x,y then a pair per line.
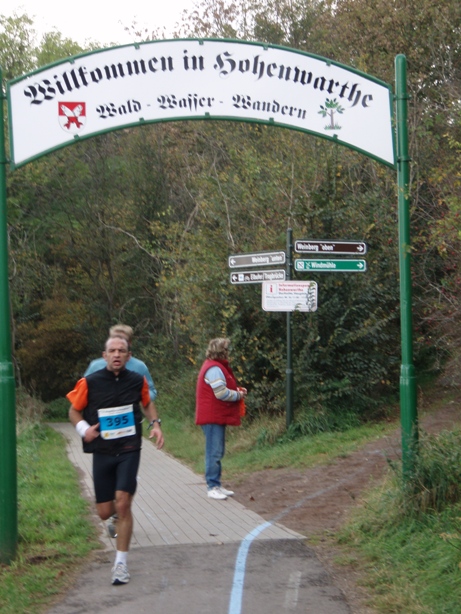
x,y
72,116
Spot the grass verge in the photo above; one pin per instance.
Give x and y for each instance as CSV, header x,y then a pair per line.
x,y
406,564
407,535
55,531
255,446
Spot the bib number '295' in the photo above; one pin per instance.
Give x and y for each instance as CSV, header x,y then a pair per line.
x,y
115,422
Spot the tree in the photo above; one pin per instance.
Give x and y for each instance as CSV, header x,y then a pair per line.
x,y
54,47
17,46
138,225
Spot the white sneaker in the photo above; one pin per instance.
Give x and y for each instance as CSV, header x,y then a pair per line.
x,y
120,574
228,493
111,528
216,493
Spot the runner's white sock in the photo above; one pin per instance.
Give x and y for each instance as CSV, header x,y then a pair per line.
x,y
120,557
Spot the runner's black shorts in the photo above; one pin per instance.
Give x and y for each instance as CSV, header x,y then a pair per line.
x,y
111,473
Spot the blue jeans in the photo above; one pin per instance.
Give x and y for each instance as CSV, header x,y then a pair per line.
x,y
215,437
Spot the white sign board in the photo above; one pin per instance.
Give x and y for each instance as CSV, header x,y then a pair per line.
x,y
255,277
260,259
197,79
289,296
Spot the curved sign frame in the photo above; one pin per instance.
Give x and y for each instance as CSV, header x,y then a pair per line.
x,y
193,79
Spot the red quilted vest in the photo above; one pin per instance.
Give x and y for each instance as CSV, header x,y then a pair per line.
x,y
209,409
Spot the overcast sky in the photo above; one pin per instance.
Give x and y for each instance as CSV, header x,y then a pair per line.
x,y
98,20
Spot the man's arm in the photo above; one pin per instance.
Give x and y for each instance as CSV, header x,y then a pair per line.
x,y
152,388
150,382
150,411
78,398
86,432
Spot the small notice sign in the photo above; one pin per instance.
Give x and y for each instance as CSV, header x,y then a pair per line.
x,y
289,296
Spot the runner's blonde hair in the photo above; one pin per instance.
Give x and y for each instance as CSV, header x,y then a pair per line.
x,y
121,329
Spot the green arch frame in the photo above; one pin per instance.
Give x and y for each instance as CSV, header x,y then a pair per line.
x,y
397,129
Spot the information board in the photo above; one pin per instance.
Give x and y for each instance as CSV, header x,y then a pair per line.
x,y
289,296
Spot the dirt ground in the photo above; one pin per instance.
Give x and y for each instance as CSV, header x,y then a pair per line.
x,y
316,502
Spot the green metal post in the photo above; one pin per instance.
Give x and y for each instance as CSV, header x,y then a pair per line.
x,y
408,410
8,479
289,370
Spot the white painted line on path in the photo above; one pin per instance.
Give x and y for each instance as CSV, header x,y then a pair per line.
x,y
235,605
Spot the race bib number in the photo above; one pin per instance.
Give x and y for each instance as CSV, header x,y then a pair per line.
x,y
116,422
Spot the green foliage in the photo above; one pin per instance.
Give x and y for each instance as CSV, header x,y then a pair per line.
x,y
137,225
432,486
29,410
53,354
435,481
325,422
57,410
17,51
407,565
54,47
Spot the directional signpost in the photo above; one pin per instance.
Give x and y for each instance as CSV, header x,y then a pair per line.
x,y
331,247
281,293
257,277
331,266
273,277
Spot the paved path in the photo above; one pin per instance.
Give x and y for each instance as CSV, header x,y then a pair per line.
x,y
171,562
171,506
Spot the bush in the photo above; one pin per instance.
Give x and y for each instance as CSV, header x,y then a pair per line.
x,y
57,410
435,481
29,410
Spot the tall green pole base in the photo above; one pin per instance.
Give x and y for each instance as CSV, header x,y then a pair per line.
x,y
408,410
8,479
8,466
408,419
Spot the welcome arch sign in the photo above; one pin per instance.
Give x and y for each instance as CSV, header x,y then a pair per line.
x,y
198,79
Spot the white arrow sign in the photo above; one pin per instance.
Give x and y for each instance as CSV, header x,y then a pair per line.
x,y
257,277
259,259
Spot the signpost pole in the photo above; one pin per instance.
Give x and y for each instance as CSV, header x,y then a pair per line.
x,y
289,370
8,479
408,410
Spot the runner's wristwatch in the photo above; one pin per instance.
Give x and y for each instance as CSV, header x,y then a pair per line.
x,y
151,424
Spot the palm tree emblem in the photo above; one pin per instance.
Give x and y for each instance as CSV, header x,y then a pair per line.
x,y
331,107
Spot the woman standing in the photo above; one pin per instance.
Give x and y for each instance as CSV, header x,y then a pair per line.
x,y
218,403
